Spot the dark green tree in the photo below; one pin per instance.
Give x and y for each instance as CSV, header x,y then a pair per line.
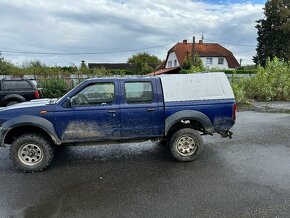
x,y
274,32
187,63
8,68
145,62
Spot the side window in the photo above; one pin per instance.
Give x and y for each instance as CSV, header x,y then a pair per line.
x,y
95,95
138,92
13,84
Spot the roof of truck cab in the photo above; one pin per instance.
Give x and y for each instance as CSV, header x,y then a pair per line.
x,y
119,77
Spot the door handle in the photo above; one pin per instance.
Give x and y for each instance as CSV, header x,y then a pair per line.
x,y
150,109
111,111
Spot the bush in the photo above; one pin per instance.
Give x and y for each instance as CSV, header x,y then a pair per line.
x,y
240,71
54,88
269,83
238,86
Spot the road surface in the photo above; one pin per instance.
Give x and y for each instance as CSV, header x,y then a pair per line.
x,y
247,176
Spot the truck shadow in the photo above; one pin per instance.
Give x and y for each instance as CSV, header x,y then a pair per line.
x,y
113,152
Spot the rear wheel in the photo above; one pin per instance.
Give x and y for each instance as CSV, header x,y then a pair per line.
x,y
31,152
186,144
11,103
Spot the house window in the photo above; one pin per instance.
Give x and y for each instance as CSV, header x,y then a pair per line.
x,y
169,63
209,61
175,63
221,61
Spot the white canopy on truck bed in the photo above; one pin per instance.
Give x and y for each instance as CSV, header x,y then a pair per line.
x,y
197,86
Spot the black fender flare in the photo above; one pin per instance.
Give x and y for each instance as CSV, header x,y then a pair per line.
x,y
36,121
13,96
189,115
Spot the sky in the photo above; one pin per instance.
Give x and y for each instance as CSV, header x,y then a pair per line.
x,y
110,31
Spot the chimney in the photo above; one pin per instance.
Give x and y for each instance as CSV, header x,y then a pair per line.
x,y
184,41
193,49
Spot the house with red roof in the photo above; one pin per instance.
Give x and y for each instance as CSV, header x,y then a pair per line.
x,y
213,55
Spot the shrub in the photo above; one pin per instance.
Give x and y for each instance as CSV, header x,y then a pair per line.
x,y
54,88
269,83
238,86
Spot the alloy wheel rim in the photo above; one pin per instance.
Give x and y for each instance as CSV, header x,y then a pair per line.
x,y
30,154
186,146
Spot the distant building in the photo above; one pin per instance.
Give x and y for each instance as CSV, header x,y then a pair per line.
x,y
213,55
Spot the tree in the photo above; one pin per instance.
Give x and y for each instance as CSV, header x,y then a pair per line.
x,y
198,62
187,63
192,67
274,32
84,68
145,62
8,68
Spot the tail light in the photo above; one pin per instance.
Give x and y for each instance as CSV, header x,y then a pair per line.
x,y
36,94
235,111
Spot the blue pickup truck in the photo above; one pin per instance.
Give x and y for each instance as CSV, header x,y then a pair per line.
x,y
177,109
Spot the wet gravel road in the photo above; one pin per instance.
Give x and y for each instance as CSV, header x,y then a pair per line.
x,y
248,176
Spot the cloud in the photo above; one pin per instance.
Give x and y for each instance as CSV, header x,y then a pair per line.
x,y
108,25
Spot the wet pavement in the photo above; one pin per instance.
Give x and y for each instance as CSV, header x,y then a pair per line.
x,y
247,176
270,106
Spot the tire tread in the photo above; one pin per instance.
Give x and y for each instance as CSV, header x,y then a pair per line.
x,y
31,137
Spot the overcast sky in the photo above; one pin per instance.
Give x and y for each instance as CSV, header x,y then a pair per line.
x,y
102,26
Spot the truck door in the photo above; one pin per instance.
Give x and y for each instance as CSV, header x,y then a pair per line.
x,y
92,116
141,109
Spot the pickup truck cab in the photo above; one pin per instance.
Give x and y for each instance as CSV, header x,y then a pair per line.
x,y
172,108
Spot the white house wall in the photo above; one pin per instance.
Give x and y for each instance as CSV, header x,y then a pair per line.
x,y
215,63
172,57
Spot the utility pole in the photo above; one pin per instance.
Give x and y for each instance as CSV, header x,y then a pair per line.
x,y
193,49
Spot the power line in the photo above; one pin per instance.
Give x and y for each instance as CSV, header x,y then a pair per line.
x,y
109,52
83,53
236,44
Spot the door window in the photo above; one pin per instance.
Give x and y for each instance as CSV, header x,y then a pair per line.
x,y
138,92
95,95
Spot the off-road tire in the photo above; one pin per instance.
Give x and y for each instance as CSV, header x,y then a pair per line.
x,y
35,139
183,137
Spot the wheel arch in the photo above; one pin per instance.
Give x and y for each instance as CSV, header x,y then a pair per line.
x,y
29,124
10,97
188,119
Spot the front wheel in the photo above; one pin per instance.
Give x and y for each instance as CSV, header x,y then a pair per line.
x,y
186,144
31,152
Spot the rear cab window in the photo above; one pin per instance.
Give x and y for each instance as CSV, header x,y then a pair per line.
x,y
138,92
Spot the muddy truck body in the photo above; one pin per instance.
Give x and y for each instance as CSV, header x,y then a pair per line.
x,y
174,109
